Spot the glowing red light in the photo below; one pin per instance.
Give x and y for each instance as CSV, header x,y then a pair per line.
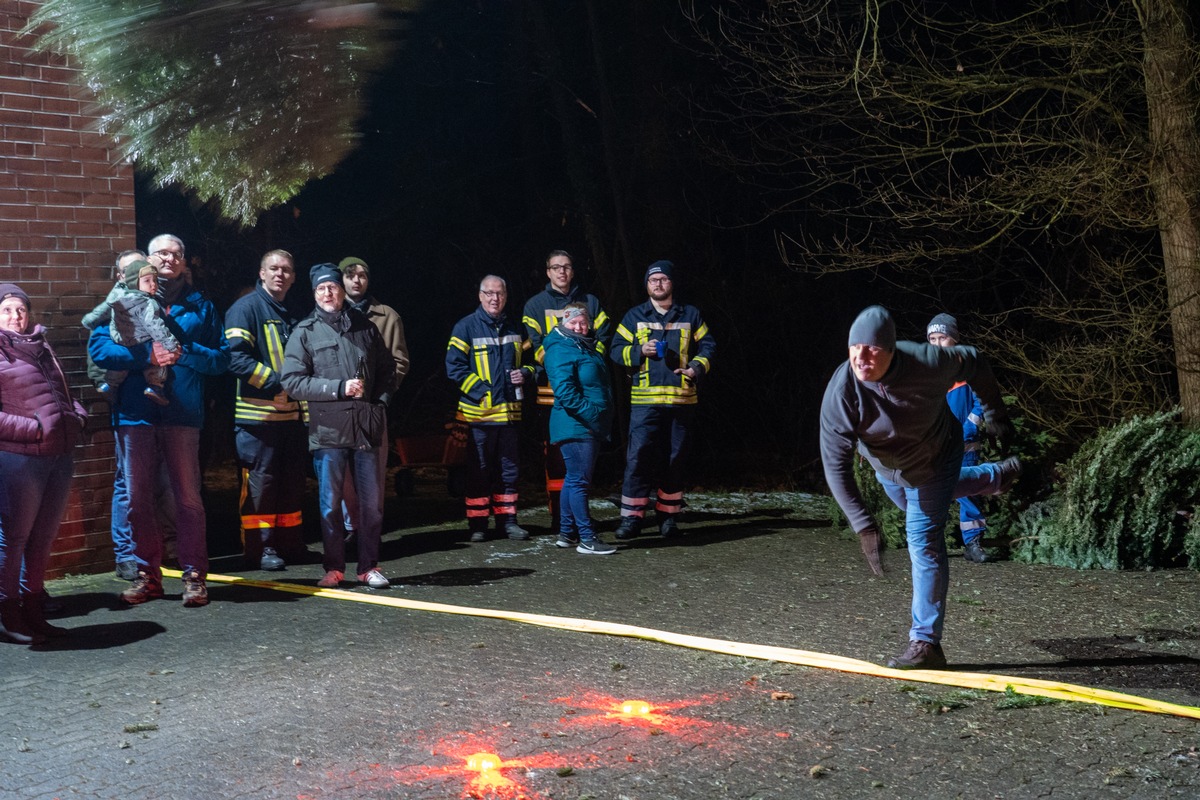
x,y
483,762
637,708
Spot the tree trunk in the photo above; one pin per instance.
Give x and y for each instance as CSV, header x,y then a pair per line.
x,y
1172,97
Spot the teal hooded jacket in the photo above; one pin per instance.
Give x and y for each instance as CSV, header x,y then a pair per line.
x,y
583,397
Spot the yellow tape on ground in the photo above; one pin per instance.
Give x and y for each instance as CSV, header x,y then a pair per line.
x,y
965,680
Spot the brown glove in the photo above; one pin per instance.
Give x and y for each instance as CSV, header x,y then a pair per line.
x,y
872,547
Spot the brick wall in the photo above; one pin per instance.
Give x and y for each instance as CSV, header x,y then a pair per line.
x,y
66,210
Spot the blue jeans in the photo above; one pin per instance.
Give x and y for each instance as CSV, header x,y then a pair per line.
x,y
148,449
574,516
350,495
331,465
926,509
33,496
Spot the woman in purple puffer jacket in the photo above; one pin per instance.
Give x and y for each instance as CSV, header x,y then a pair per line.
x,y
39,425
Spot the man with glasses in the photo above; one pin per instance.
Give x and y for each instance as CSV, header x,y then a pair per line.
x,y
667,346
543,313
152,436
269,433
484,360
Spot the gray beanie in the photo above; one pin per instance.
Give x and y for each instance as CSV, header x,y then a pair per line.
x,y
943,323
874,327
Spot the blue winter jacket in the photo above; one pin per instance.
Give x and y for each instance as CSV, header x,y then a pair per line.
x,y
205,352
583,397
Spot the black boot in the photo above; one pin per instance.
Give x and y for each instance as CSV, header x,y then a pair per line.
x,y
12,624
33,609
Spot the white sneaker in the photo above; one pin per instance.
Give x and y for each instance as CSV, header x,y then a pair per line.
x,y
374,578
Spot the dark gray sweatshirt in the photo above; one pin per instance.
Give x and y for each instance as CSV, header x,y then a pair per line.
x,y
902,424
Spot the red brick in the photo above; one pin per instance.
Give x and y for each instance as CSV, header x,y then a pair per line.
x,y
20,133
16,212
55,136
53,152
27,166
10,100
11,85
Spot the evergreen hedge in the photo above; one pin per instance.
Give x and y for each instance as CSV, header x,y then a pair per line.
x,y
1126,500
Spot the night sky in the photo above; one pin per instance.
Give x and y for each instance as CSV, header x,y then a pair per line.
x,y
485,147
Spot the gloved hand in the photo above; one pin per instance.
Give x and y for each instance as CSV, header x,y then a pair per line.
x,y
1000,431
872,547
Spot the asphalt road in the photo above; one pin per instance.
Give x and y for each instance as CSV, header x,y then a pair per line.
x,y
267,694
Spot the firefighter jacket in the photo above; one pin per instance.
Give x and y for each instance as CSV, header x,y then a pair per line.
x,y
257,328
543,313
481,353
688,344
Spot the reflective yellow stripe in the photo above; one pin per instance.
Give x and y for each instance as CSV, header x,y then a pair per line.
x,y
239,333
458,344
274,346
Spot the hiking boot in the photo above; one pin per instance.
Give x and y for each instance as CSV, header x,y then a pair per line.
x,y
374,578
919,655
566,540
1010,470
973,551
595,547
270,561
478,536
34,611
143,588
514,531
667,528
628,529
195,590
127,570
331,580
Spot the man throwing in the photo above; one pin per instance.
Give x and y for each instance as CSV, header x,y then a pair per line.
x,y
889,399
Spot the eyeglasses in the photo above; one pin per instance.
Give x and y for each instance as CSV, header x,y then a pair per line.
x,y
560,268
174,255
659,280
493,295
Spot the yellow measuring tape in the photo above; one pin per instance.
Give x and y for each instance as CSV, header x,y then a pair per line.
x,y
965,680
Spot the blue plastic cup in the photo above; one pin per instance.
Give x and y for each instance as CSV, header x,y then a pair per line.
x,y
660,348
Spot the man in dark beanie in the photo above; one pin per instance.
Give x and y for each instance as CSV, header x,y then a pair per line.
x,y
942,331
888,399
337,362
667,347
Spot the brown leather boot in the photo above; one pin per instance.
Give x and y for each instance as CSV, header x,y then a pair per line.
x,y
12,624
33,608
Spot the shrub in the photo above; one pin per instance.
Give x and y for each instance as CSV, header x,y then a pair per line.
x,y
1126,500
